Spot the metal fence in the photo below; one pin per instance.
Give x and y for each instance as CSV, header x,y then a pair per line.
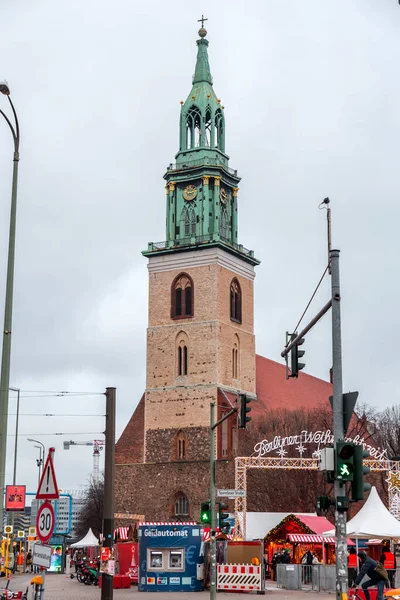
x,y
316,577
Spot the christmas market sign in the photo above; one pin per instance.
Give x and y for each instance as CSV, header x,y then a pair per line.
x,y
315,438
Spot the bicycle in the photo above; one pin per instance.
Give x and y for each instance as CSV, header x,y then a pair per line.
x,y
392,594
6,594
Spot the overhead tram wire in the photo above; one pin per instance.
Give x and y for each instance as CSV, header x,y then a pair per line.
x,y
55,415
59,433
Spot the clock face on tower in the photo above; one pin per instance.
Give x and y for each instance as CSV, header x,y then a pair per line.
x,y
223,196
190,192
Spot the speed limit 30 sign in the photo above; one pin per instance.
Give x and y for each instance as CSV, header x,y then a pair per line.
x,y
45,522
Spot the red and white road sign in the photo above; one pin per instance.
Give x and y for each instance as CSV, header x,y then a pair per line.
x,y
45,522
48,489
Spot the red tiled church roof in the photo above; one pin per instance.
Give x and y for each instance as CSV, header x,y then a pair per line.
x,y
274,391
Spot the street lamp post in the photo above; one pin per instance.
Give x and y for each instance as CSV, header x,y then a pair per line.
x,y
6,354
42,450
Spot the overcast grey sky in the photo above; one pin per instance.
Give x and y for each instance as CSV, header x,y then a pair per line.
x,y
311,94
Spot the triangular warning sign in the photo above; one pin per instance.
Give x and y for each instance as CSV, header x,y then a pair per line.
x,y
48,488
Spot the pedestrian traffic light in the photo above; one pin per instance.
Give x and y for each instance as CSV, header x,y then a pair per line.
x,y
358,486
205,513
244,410
344,460
222,517
295,354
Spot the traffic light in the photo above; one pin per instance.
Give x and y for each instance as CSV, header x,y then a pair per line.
x,y
358,486
323,504
244,410
222,516
295,354
344,461
205,513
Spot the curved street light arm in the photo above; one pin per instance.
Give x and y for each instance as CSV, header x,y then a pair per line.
x,y
14,134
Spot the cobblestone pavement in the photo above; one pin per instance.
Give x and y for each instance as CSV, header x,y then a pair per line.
x,y
61,587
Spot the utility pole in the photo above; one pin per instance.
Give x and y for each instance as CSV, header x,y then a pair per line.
x,y
213,508
109,478
213,547
338,427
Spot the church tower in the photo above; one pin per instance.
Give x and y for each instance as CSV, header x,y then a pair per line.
x,y
200,336
201,326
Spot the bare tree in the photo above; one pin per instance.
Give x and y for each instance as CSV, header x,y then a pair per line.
x,y
92,513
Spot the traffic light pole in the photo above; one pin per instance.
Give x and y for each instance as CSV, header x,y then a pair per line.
x,y
213,508
213,547
338,428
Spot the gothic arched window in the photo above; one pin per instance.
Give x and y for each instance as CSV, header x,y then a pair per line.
x,y
193,127
219,130
236,301
182,354
182,299
208,126
181,446
188,217
181,505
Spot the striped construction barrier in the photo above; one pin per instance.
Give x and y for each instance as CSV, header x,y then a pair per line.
x,y
245,578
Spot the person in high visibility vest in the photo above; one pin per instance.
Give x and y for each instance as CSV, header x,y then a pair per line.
x,y
352,564
388,560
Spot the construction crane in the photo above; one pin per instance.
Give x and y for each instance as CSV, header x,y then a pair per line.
x,y
97,446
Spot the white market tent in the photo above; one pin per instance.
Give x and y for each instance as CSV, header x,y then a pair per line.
x,y
372,521
90,540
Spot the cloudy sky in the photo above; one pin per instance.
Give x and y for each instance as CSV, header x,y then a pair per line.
x,y
311,93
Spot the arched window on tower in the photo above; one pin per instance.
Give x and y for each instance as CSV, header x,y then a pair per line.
x,y
188,219
193,127
182,299
223,228
180,506
236,358
219,139
181,446
235,301
208,127
182,354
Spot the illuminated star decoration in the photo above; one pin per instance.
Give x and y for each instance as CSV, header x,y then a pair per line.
x,y
282,452
317,454
393,480
301,449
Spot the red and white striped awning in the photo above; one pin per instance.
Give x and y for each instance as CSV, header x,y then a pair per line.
x,y
122,532
308,538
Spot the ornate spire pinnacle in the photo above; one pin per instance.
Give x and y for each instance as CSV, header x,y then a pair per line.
x,y
202,72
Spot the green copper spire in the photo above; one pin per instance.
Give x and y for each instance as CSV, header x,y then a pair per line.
x,y
202,72
202,190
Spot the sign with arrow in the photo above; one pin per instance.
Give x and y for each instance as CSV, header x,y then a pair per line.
x,y
48,489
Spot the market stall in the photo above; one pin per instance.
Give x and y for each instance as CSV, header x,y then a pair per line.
x,y
297,534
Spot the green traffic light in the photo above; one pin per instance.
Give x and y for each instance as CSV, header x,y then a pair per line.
x,y
205,517
344,471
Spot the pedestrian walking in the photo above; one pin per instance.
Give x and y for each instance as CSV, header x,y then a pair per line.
x,y
352,566
29,562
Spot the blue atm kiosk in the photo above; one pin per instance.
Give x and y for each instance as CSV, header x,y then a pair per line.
x,y
170,557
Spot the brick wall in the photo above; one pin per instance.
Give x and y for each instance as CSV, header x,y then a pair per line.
x,y
150,489
183,401
130,446
161,444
